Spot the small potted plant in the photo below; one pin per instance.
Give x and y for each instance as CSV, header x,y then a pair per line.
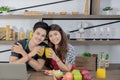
x,y
107,10
4,9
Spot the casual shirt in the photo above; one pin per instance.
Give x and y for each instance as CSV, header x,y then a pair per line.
x,y
71,55
70,58
24,44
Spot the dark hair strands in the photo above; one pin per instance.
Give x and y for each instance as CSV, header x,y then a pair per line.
x,y
62,50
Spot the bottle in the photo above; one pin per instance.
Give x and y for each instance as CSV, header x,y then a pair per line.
x,y
101,70
30,34
7,32
22,34
11,34
15,33
81,31
27,33
86,7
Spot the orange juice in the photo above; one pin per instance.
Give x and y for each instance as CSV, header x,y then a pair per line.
x,y
47,52
41,52
101,73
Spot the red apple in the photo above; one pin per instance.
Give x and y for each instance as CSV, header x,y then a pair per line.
x,y
86,74
59,77
87,77
68,76
84,71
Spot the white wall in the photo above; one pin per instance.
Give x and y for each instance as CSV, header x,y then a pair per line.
x,y
66,6
112,3
75,5
5,56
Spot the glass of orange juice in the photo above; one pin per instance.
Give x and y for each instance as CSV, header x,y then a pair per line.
x,y
40,53
47,52
101,73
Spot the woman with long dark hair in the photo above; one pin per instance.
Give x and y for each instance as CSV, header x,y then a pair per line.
x,y
63,54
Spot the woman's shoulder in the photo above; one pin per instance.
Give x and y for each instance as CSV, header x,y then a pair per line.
x,y
70,46
71,49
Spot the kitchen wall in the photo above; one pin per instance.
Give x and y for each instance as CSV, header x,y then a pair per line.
x,y
110,3
67,25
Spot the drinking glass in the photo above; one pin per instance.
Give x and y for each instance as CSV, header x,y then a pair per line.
x,y
101,73
101,32
94,33
40,53
47,52
108,32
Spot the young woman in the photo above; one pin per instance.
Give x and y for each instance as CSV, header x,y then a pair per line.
x,y
26,51
63,54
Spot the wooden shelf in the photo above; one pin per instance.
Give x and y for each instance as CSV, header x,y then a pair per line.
x,y
81,17
85,42
77,42
6,42
62,17
20,16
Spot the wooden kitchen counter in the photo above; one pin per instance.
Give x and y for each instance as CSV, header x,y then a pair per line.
x,y
111,75
39,76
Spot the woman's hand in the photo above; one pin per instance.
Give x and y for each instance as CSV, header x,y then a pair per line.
x,y
53,55
18,49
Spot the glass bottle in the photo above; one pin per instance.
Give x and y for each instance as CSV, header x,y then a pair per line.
x,y
15,33
22,34
101,70
7,32
30,34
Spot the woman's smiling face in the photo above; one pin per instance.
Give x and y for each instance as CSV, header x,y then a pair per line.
x,y
55,37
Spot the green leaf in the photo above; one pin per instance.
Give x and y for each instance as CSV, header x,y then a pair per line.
x,y
107,9
107,57
4,8
87,54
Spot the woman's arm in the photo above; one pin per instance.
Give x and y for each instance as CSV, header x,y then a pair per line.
x,y
69,61
63,66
